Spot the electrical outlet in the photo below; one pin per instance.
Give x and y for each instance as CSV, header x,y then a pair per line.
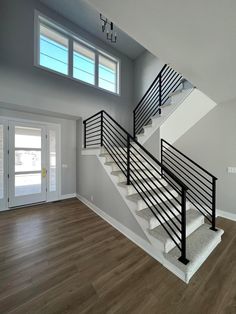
x,y
231,169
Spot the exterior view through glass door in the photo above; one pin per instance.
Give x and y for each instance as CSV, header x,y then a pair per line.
x,y
27,164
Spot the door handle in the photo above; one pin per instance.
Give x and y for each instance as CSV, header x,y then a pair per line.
x,y
44,172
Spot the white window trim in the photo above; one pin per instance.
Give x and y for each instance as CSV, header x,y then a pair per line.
x,y
73,37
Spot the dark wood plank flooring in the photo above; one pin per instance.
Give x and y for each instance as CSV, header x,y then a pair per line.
x,y
62,258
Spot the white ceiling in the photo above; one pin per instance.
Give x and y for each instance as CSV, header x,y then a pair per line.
x,y
197,37
84,15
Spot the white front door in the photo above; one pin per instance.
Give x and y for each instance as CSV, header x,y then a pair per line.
x,y
27,164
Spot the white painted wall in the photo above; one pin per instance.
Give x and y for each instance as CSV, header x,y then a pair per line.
x,y
68,145
22,84
195,106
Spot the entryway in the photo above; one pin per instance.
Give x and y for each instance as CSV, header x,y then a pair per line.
x,y
29,163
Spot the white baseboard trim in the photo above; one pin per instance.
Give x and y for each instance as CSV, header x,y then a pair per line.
x,y
225,214
67,196
144,245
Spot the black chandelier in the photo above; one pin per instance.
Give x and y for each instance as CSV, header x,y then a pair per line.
x,y
108,27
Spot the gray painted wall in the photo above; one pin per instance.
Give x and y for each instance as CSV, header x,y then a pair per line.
x,y
146,68
68,145
212,143
153,144
92,180
21,83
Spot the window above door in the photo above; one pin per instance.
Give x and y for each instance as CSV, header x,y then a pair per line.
x,y
61,51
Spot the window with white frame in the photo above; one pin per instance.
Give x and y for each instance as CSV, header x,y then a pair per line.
x,y
53,50
61,51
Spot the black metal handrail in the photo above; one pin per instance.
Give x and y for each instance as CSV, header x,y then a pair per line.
x,y
144,172
166,82
201,183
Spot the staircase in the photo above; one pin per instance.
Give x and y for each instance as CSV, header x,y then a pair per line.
x,y
173,200
164,96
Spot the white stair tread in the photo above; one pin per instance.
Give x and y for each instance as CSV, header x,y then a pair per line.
x,y
146,127
156,199
177,92
135,157
166,104
137,197
119,150
199,245
143,174
146,184
140,135
138,166
193,221
153,222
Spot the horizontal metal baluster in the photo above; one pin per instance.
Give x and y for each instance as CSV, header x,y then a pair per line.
x,y
172,88
119,157
185,174
113,156
188,183
106,122
154,205
148,103
150,88
189,159
95,119
174,197
115,144
164,202
118,140
187,164
178,162
96,127
93,132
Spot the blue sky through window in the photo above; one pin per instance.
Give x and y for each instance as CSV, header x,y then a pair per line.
x,y
54,54
84,68
107,74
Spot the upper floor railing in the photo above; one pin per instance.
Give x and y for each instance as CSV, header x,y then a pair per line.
x,y
166,82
